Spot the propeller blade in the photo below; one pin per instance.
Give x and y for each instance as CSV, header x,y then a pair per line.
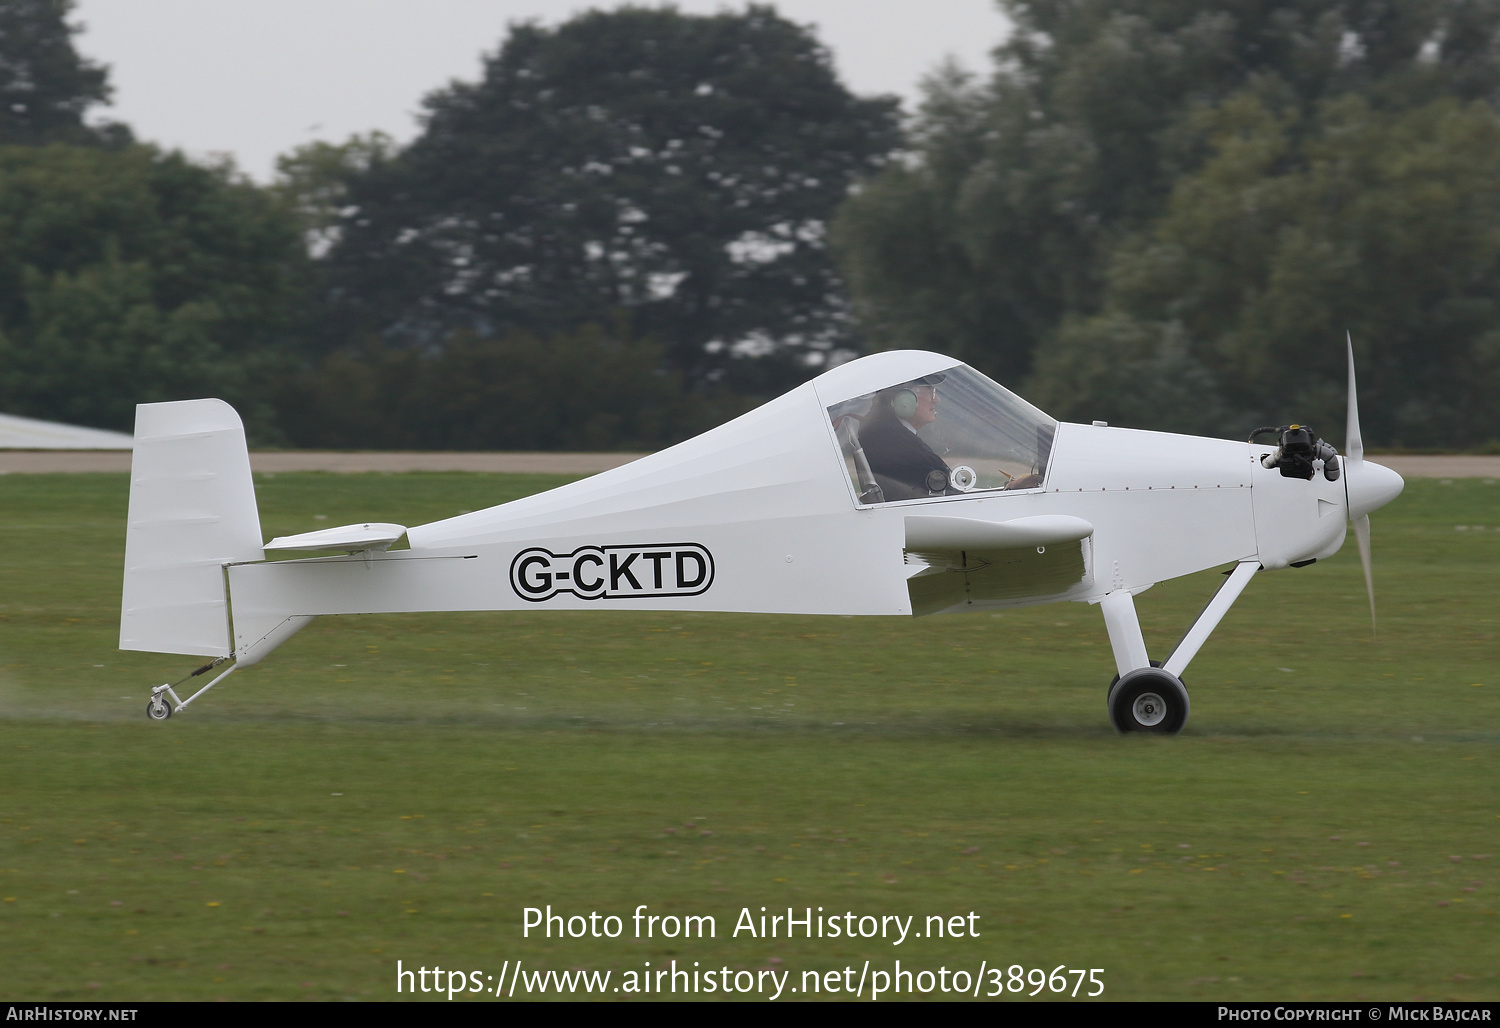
x,y
1362,536
1367,487
1354,444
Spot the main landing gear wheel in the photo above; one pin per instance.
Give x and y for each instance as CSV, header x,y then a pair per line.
x,y
158,709
1148,699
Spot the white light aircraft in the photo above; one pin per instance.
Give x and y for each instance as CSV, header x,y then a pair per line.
x,y
901,483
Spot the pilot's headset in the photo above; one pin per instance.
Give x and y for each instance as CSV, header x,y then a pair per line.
x,y
904,402
904,398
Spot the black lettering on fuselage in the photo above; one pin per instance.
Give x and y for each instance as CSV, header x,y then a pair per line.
x,y
613,572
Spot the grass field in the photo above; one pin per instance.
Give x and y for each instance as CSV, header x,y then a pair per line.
x,y
401,787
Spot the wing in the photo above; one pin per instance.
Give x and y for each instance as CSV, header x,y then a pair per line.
x,y
967,564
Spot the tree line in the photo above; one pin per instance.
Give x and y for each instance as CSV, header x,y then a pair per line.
x,y
638,223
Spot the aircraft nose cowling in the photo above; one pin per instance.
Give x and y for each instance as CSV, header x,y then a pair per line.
x,y
1371,486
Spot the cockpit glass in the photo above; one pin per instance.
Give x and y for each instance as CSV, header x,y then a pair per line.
x,y
942,435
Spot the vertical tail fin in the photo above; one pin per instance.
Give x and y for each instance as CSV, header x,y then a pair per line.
x,y
192,510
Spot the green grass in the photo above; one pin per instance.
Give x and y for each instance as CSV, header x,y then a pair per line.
x,y
400,787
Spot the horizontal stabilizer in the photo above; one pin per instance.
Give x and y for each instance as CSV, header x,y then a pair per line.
x,y
371,536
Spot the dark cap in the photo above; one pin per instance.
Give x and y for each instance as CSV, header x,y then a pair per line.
x,y
925,380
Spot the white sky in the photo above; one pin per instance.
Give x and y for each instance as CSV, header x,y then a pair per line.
x,y
255,78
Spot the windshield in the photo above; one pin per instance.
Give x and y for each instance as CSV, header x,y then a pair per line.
x,y
941,435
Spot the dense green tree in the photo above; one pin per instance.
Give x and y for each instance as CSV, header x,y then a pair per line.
x,y
1229,313
673,169
313,182
45,86
590,389
130,275
1021,187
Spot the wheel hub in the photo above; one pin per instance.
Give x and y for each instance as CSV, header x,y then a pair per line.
x,y
1149,709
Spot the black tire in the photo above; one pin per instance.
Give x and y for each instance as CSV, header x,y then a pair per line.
x,y
1149,700
1115,680
158,709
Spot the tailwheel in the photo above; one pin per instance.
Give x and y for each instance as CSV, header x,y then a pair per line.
x,y
158,709
1148,699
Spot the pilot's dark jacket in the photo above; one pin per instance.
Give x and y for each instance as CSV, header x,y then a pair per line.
x,y
899,457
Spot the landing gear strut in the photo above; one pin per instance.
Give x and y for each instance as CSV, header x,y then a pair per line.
x,y
1148,695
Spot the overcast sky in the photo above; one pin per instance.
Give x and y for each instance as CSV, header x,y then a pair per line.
x,y
255,78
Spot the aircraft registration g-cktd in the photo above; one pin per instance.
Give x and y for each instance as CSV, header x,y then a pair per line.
x,y
901,483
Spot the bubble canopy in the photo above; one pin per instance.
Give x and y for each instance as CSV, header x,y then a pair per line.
x,y
940,433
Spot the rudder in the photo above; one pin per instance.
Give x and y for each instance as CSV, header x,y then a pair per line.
x,y
192,511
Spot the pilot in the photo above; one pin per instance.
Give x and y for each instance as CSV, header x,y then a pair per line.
x,y
902,462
